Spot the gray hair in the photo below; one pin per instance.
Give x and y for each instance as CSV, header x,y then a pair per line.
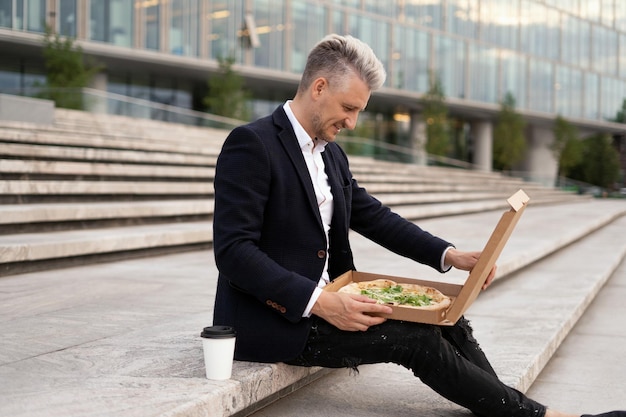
x,y
335,57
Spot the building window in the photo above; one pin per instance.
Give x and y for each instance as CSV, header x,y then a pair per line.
x,y
499,22
621,56
67,18
450,65
427,14
374,32
483,67
410,57
568,96
514,76
592,90
463,18
309,27
6,13
35,12
184,33
540,30
23,15
270,28
152,18
604,43
540,96
225,21
575,41
612,97
111,21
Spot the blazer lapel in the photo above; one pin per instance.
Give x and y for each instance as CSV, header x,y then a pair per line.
x,y
339,203
289,142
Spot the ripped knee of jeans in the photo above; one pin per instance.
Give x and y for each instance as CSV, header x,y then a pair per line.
x,y
351,363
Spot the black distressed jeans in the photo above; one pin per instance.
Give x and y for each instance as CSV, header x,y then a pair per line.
x,y
447,359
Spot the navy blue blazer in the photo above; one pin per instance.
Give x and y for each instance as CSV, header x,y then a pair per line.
x,y
269,242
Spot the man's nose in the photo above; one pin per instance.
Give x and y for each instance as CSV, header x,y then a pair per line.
x,y
350,122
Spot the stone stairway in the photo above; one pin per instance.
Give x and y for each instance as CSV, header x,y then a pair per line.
x,y
99,188
121,338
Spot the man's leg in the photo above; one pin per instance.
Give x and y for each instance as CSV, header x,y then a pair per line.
x,y
428,352
462,338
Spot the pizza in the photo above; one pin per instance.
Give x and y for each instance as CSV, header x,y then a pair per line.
x,y
386,291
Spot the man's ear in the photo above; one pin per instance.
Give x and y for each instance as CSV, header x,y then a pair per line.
x,y
318,86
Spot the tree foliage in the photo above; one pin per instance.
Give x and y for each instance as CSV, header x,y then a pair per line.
x,y
509,142
66,71
599,164
567,147
436,118
227,96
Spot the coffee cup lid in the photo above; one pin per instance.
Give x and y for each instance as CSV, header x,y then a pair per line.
x,y
218,332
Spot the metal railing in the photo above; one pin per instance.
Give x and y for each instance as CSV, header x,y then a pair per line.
x,y
98,101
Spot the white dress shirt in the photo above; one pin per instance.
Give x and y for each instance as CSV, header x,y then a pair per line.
x,y
312,152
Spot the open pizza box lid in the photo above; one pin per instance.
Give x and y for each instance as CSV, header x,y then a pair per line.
x,y
462,296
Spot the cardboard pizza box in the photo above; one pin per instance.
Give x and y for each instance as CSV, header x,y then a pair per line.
x,y
462,296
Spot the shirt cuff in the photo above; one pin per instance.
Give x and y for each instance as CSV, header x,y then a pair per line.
x,y
316,294
445,267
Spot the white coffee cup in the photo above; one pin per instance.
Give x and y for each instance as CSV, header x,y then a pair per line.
x,y
218,343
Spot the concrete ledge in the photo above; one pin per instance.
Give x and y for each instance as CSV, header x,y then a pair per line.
x,y
22,133
102,154
104,187
38,246
47,213
157,370
31,167
26,109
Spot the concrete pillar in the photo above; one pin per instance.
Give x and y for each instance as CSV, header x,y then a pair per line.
x,y
417,138
540,162
482,134
96,102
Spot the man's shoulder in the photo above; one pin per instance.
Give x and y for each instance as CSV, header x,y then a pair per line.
x,y
276,119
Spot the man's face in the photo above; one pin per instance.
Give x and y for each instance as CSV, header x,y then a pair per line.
x,y
338,107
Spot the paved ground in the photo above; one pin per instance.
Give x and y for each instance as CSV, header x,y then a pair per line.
x,y
121,339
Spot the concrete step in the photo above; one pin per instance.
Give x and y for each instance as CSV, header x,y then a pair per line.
x,y
112,188
423,211
14,214
575,379
47,136
124,126
28,247
62,152
403,199
124,337
26,169
112,127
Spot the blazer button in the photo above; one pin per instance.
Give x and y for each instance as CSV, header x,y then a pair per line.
x,y
321,254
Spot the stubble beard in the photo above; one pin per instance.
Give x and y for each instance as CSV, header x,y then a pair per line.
x,y
318,128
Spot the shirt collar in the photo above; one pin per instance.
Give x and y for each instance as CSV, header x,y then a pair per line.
x,y
304,140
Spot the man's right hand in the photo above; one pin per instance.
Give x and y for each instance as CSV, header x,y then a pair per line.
x,y
349,311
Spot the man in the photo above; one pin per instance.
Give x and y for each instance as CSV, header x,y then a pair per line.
x,y
284,202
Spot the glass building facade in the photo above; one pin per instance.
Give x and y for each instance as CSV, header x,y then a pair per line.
x,y
564,57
